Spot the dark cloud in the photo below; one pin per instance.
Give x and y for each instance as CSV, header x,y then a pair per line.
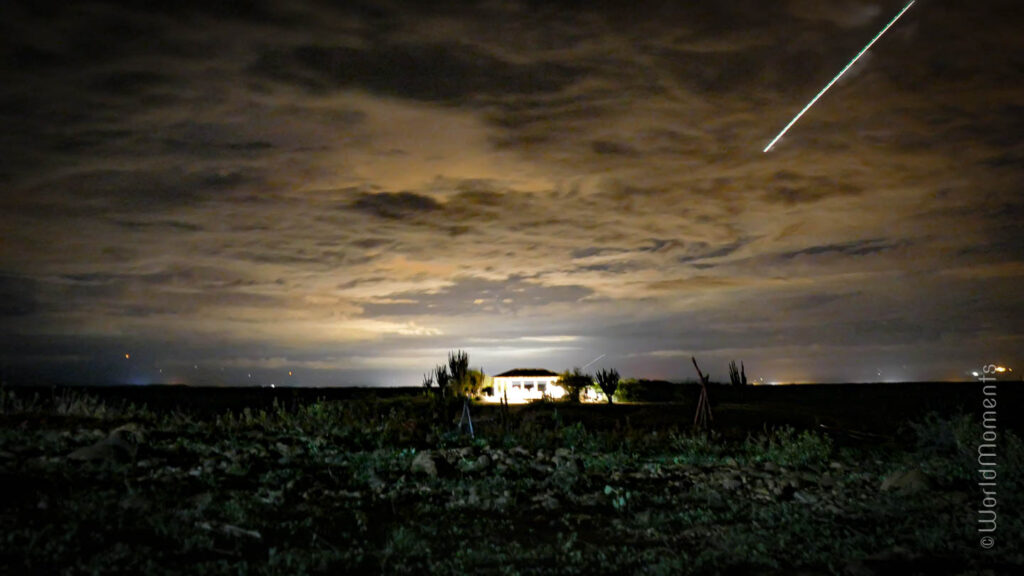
x,y
612,148
854,248
790,188
394,205
17,297
106,192
698,251
437,73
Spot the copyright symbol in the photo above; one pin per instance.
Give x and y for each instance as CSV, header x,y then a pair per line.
x,y
987,542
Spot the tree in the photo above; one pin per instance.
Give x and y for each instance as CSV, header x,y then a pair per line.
x,y
458,369
428,381
737,377
442,377
475,379
573,383
734,373
608,380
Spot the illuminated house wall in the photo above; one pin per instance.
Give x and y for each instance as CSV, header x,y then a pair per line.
x,y
526,384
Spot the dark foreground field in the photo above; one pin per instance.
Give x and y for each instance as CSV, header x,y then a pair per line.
x,y
801,480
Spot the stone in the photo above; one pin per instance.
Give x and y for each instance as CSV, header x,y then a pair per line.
x,y
424,464
482,463
547,501
569,468
731,483
120,446
803,497
911,481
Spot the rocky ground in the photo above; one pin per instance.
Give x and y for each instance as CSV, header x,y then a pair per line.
x,y
337,488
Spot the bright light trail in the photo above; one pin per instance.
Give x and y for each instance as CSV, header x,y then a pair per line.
x,y
592,361
841,72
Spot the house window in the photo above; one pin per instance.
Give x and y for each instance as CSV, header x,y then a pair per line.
x,y
528,385
515,386
542,387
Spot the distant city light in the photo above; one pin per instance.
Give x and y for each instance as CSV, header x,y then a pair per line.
x,y
127,356
1002,369
975,374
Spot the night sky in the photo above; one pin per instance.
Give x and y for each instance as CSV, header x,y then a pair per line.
x,y
223,192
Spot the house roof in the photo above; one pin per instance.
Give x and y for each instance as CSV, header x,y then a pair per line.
x,y
526,372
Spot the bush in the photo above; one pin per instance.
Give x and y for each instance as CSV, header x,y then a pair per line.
x,y
786,447
650,391
574,383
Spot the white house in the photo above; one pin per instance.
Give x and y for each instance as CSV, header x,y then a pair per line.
x,y
525,384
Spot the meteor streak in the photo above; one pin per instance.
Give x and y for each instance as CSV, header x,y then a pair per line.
x,y
594,360
841,72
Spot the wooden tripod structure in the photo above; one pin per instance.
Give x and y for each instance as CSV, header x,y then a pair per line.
x,y
702,418
466,419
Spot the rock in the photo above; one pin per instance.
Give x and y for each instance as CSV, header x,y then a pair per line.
x,y
134,502
835,465
563,453
791,480
714,499
229,530
731,483
803,497
547,501
784,492
909,482
375,483
809,477
238,532
120,446
482,463
424,464
569,468
542,469
826,481
132,432
771,466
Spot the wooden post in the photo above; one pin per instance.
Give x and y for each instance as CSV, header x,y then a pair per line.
x,y
703,417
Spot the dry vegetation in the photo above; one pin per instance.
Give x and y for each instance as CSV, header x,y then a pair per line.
x,y
389,486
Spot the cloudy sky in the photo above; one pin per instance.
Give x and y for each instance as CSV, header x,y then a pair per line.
x,y
229,191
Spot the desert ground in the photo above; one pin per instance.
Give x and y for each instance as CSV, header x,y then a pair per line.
x,y
827,479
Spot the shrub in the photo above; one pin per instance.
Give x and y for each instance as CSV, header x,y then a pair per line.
x,y
786,447
650,391
574,382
